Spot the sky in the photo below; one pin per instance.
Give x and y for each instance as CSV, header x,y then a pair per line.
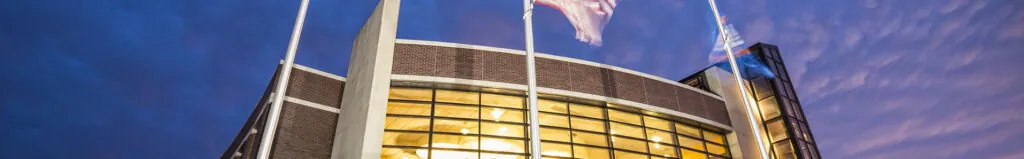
x,y
177,79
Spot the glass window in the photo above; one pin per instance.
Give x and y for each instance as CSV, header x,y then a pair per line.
x,y
552,106
502,115
652,122
410,94
625,117
503,100
762,88
660,136
663,150
714,137
406,139
769,108
458,97
555,150
399,153
795,125
553,120
627,130
506,145
690,154
406,123
688,130
717,150
691,143
554,134
502,129
586,110
457,126
784,150
455,141
498,155
777,130
457,111
589,138
807,133
420,109
587,152
796,108
625,154
630,144
587,124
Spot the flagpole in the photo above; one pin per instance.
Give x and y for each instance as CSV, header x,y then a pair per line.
x,y
739,82
282,84
531,80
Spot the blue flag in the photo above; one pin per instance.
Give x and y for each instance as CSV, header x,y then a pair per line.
x,y
749,65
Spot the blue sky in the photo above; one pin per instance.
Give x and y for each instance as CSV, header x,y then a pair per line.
x,y
176,79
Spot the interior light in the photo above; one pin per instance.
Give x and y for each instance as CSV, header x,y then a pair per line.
x,y
497,114
656,139
464,131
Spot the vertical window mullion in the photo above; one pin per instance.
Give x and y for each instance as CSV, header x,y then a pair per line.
x,y
430,133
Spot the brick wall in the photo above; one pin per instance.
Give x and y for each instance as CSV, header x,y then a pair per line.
x,y
426,60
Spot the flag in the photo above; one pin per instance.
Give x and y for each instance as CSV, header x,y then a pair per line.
x,y
749,65
588,17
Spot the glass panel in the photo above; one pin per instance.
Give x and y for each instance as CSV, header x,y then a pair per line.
x,y
589,138
586,110
457,126
506,145
769,108
630,155
806,153
448,154
716,157
499,156
502,129
502,100
397,153
553,120
796,108
458,97
406,123
784,150
807,133
762,88
652,122
630,144
552,106
456,141
658,149
555,150
627,130
502,115
455,111
814,151
718,150
421,109
777,130
691,143
587,124
587,152
687,130
689,154
714,137
410,94
554,134
405,139
660,136
788,106
795,126
625,117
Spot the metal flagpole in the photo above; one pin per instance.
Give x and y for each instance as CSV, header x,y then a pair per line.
x,y
531,80
282,84
739,81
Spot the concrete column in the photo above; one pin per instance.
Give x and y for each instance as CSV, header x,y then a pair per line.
x,y
363,106
742,141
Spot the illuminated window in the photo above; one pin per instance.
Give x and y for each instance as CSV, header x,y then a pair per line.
x,y
656,123
553,120
625,117
587,124
502,115
717,150
627,130
552,106
587,152
777,130
714,137
659,136
585,110
690,154
555,150
503,100
407,123
630,144
589,138
691,143
402,108
554,134
687,130
406,139
456,141
663,150
399,153
626,154
507,130
457,126
769,108
784,150
454,111
458,97
410,94
501,144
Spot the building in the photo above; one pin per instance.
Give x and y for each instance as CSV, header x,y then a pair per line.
x,y
411,99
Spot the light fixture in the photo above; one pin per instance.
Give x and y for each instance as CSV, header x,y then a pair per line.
x,y
464,131
497,114
656,139
502,130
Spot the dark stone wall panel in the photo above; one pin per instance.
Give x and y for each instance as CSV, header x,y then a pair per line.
x,y
412,59
626,86
587,79
717,110
553,74
315,88
690,102
661,94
